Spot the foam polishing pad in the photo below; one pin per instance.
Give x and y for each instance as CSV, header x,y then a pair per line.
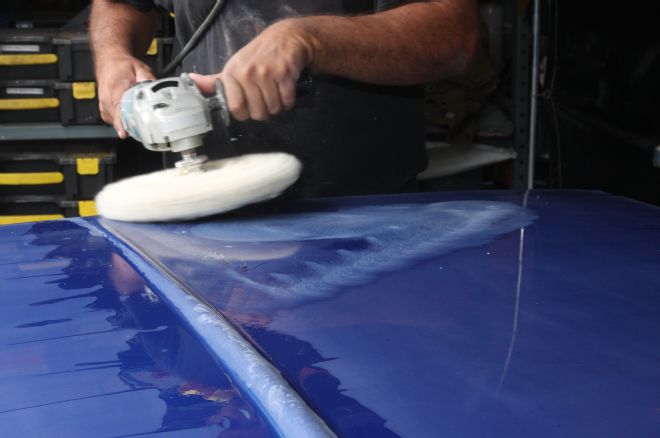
x,y
221,186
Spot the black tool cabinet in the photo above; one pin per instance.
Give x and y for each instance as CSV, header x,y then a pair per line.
x,y
56,153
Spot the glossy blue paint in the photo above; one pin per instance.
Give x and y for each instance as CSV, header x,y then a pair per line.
x,y
88,349
466,314
474,314
247,369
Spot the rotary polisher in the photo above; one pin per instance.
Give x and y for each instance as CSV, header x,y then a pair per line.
x,y
171,114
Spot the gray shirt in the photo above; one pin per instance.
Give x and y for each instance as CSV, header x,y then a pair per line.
x,y
352,137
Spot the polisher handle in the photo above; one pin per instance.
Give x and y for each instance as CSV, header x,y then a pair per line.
x,y
219,103
304,88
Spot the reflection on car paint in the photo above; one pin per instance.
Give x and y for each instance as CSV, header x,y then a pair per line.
x,y
421,349
102,334
251,266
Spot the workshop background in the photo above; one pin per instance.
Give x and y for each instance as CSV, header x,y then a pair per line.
x,y
596,125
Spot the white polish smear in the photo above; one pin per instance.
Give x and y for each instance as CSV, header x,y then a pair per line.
x,y
370,241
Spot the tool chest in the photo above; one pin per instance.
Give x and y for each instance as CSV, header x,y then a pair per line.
x,y
56,153
74,174
62,55
35,101
17,209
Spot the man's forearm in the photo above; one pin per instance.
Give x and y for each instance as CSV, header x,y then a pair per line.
x,y
117,30
119,35
410,44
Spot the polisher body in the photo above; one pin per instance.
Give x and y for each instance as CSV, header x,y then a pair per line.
x,y
171,114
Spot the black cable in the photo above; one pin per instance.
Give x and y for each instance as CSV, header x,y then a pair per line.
x,y
192,42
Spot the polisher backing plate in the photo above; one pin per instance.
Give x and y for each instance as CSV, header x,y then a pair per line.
x,y
223,185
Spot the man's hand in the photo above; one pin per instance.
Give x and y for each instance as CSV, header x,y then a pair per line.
x,y
118,33
115,76
260,79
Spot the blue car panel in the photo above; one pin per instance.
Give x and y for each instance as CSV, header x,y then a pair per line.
x,y
447,314
88,349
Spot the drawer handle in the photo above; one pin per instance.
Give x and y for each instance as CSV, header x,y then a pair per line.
x,y
29,104
31,59
6,220
33,178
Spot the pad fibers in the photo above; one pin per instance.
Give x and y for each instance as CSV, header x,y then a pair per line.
x,y
223,185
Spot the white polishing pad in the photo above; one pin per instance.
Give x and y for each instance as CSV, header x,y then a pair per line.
x,y
223,185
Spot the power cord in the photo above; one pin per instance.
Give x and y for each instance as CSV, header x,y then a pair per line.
x,y
199,33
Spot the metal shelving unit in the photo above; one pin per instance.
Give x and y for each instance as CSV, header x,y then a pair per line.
x,y
521,89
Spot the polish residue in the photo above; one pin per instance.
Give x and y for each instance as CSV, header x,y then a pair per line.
x,y
292,259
